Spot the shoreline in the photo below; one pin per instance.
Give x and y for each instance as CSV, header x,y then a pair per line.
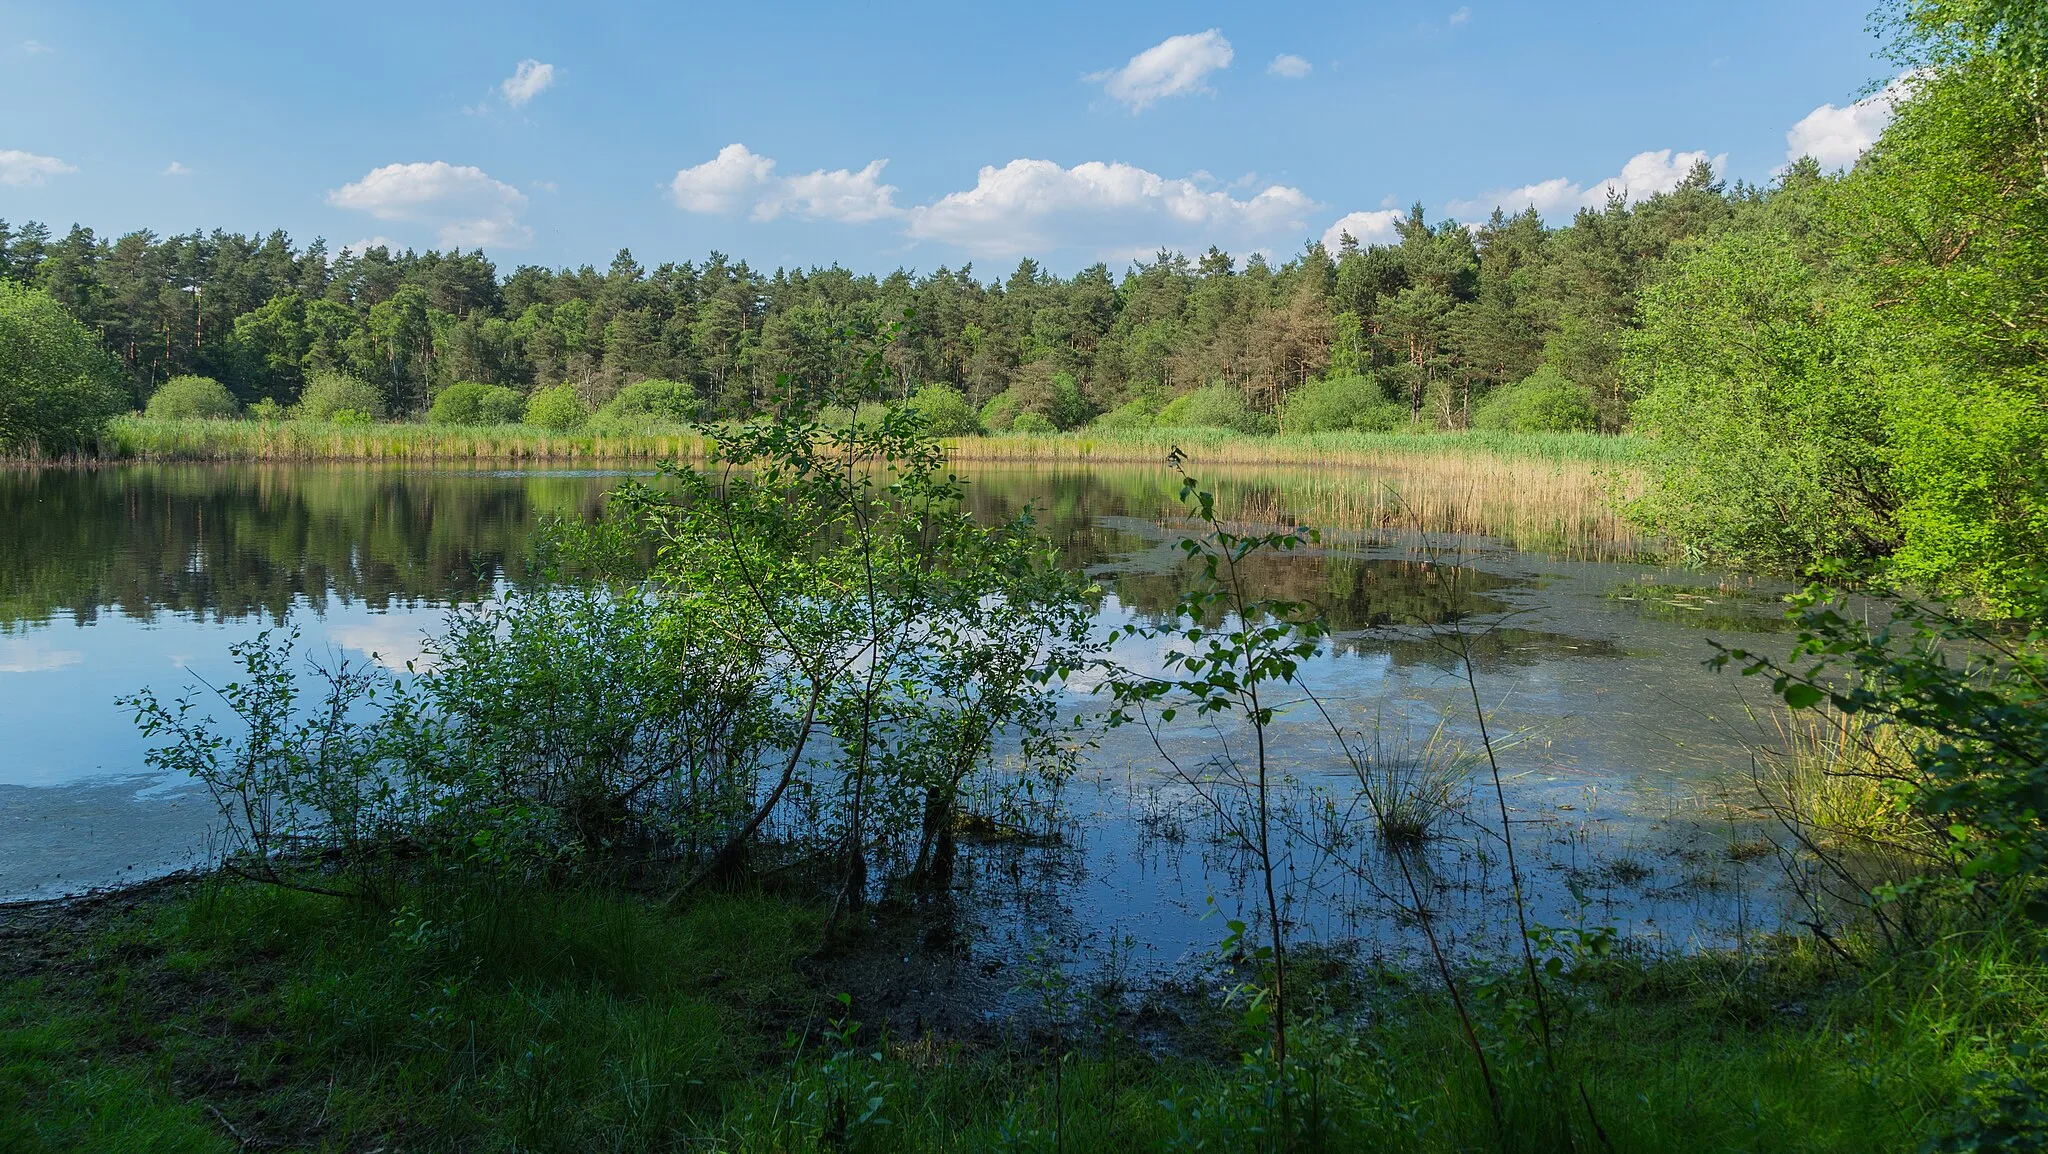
x,y
146,441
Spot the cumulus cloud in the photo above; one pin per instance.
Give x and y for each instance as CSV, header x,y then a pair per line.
x,y
1645,175
1029,205
466,207
1835,137
1290,66
369,242
723,183
527,81
1176,66
1376,227
26,169
739,177
1461,16
176,169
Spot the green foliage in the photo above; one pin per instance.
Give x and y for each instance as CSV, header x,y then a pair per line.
x,y
57,386
945,411
339,397
1543,402
1767,433
1862,382
1213,406
1974,702
556,408
1030,423
192,398
1001,412
1340,403
470,403
1136,413
647,405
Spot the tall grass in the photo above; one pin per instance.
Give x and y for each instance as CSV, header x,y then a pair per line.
x,y
146,439
1347,449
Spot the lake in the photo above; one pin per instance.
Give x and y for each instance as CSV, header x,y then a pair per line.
x,y
1625,762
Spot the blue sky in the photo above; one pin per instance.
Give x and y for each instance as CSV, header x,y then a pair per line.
x,y
555,134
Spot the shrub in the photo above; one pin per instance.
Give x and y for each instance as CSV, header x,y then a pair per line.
x,y
1338,404
1032,424
340,397
1545,401
648,403
470,403
1001,411
1137,413
1052,394
1215,406
556,408
58,387
183,398
266,409
946,411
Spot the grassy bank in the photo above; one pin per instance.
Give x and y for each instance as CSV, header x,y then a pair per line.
x,y
212,1016
1346,450
137,437
144,439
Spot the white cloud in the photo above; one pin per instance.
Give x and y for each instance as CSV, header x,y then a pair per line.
x,y
1290,66
1364,227
176,169
1837,136
739,178
1031,205
1176,66
1461,16
847,197
527,81
369,242
466,207
27,169
1645,175
723,183
35,47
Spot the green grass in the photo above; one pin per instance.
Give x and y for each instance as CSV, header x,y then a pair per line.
x,y
149,439
537,1018
1223,446
137,437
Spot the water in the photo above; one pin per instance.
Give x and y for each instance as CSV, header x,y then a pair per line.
x,y
1626,762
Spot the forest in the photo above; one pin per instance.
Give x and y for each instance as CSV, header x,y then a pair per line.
x,y
1440,320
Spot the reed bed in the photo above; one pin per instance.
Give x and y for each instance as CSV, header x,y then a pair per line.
x,y
1349,450
143,439
1570,508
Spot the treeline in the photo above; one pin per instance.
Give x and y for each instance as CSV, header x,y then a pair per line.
x,y
1436,321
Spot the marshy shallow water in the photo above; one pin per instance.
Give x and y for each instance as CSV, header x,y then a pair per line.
x,y
1627,763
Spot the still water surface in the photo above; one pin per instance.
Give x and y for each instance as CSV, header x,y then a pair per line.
x,y
1627,762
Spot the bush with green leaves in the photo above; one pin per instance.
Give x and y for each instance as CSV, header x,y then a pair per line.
x,y
1338,404
1213,407
557,409
647,405
340,397
187,398
1136,413
1001,411
58,387
1032,424
945,411
1545,401
470,403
